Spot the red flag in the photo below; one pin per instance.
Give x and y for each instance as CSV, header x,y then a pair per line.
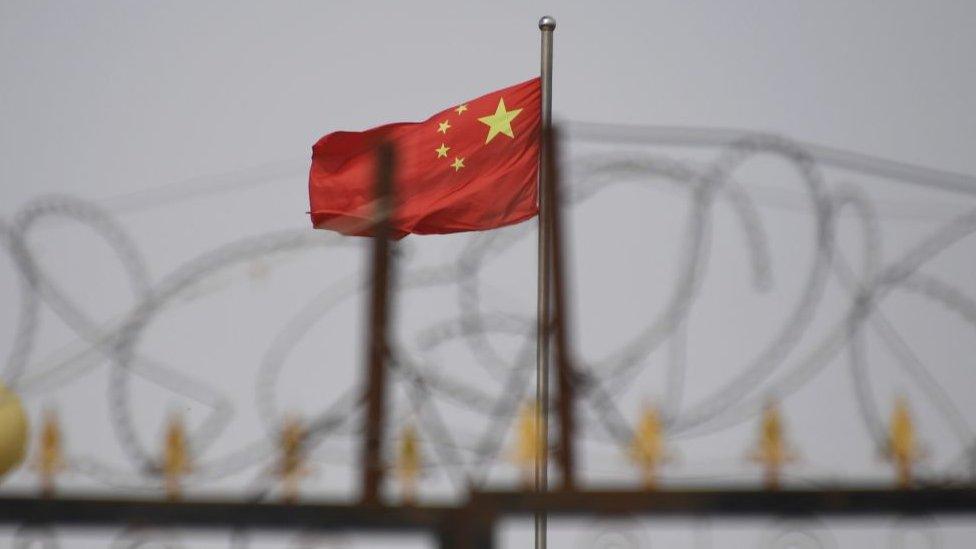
x,y
468,168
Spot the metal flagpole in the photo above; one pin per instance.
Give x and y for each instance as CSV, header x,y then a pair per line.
x,y
546,25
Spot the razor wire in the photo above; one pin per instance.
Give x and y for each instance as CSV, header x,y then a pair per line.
x,y
776,370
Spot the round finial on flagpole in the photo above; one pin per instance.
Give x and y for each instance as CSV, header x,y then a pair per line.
x,y
547,23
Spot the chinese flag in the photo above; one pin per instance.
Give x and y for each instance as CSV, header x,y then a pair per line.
x,y
467,168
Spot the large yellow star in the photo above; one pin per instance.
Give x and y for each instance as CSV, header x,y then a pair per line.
x,y
500,122
442,150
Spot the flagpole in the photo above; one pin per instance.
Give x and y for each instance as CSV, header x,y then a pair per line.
x,y
546,25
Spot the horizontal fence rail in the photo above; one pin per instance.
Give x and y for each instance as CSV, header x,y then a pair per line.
x,y
472,524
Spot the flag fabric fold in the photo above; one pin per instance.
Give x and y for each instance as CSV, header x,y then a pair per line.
x,y
470,167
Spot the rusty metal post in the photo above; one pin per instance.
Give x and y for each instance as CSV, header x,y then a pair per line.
x,y
381,273
564,366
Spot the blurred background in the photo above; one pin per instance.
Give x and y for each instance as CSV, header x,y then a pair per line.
x,y
766,202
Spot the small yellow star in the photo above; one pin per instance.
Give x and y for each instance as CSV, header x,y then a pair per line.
x,y
500,122
458,163
442,127
442,151
461,108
